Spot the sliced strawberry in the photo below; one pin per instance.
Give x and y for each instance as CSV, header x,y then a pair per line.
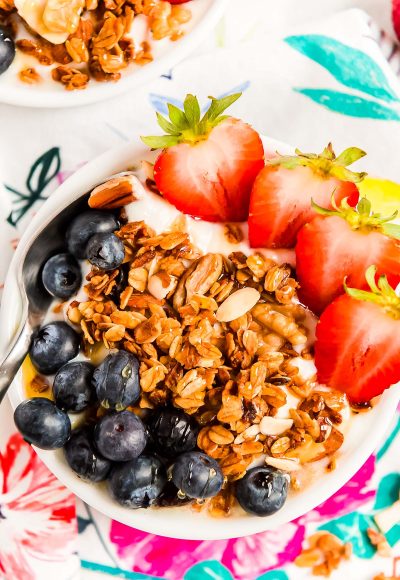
x,y
343,243
207,166
280,202
357,350
396,16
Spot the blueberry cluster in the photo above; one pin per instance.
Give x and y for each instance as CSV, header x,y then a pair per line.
x,y
151,459
91,236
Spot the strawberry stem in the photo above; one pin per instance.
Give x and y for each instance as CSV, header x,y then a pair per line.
x,y
381,293
326,163
361,217
186,125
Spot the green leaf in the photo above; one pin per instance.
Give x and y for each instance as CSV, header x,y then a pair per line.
x,y
166,125
192,110
392,230
218,106
178,117
350,155
350,105
348,65
364,206
160,141
345,174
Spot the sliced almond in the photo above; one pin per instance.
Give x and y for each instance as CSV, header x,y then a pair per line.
x,y
275,425
283,463
156,286
237,304
249,433
115,192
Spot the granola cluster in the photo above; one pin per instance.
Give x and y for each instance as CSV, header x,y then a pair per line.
x,y
99,45
177,311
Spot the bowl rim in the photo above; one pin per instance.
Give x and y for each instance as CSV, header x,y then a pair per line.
x,y
154,521
24,96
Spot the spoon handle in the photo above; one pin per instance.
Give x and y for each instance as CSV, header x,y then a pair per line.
x,y
14,358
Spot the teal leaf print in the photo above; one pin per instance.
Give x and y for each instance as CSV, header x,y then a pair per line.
x,y
349,66
208,570
42,172
353,528
274,575
388,491
387,494
350,105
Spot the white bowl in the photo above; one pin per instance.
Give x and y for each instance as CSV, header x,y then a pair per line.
x,y
363,436
50,94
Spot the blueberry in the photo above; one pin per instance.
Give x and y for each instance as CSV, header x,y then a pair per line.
x,y
116,380
52,346
263,490
7,49
84,459
173,431
105,251
61,276
138,483
42,423
84,226
72,386
170,497
197,475
120,436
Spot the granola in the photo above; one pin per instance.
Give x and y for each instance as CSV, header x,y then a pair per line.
x,y
92,39
215,337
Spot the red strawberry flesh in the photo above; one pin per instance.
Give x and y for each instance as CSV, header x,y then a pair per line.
x,y
212,178
357,349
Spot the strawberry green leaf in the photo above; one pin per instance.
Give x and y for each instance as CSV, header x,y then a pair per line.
x,y
166,125
345,174
218,106
392,230
350,155
192,110
326,163
381,294
186,126
178,117
160,141
364,206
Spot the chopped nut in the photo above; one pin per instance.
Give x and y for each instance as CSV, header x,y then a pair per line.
x,y
115,192
29,75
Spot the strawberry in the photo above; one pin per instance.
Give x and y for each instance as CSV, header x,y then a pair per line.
x,y
357,350
281,195
343,242
207,165
396,17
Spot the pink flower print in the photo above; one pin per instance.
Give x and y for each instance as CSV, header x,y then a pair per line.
x,y
171,558
354,494
37,513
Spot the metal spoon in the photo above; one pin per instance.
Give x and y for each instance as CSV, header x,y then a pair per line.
x,y
35,300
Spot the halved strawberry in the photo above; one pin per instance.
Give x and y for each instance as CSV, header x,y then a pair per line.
x,y
208,165
280,201
358,341
344,242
